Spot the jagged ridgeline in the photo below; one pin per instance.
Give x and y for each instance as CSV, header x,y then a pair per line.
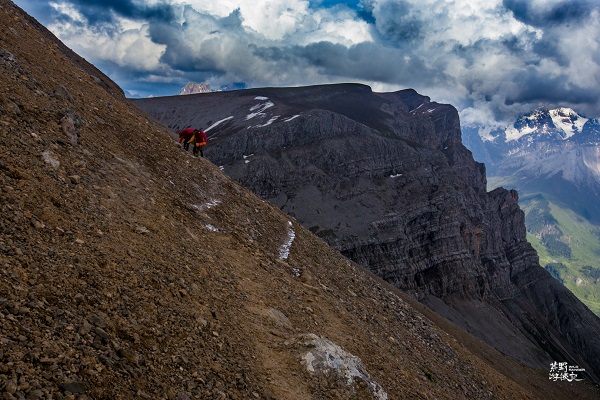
x,y
131,270
385,179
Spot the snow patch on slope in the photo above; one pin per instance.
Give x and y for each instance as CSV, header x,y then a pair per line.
x,y
291,118
513,133
284,250
206,206
259,109
217,123
269,122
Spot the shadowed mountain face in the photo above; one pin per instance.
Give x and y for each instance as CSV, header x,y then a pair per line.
x,y
385,179
131,270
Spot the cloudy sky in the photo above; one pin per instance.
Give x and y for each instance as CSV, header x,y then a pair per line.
x,y
492,59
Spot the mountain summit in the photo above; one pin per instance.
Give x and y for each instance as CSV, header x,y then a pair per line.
x,y
542,124
195,88
545,124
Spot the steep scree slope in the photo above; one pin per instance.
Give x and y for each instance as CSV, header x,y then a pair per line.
x,y
385,179
132,270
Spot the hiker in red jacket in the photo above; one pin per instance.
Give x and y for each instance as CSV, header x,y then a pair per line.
x,y
200,142
186,136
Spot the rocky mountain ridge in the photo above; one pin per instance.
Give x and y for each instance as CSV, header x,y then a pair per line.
x,y
385,179
131,270
195,88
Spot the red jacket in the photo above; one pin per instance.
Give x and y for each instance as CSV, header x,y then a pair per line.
x,y
186,134
201,138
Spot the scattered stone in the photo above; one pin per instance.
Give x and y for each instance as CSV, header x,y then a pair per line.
x,y
73,387
96,320
35,394
142,230
37,224
85,328
279,318
102,333
11,386
62,93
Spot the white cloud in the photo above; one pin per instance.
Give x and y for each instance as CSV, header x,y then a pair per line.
x,y
581,46
68,10
487,58
127,48
274,19
342,28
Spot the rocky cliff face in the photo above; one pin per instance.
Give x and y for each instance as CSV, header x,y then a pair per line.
x,y
385,179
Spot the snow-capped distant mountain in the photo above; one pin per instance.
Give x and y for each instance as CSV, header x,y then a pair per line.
x,y
542,124
556,151
560,123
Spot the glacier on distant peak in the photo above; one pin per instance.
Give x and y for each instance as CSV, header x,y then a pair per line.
x,y
568,121
560,123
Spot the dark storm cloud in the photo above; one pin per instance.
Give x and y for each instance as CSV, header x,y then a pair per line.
x,y
105,11
401,24
365,61
195,45
535,88
564,12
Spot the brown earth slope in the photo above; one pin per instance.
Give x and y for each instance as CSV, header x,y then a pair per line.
x,y
131,270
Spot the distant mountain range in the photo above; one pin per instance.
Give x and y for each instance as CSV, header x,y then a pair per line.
x,y
554,151
552,158
202,87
